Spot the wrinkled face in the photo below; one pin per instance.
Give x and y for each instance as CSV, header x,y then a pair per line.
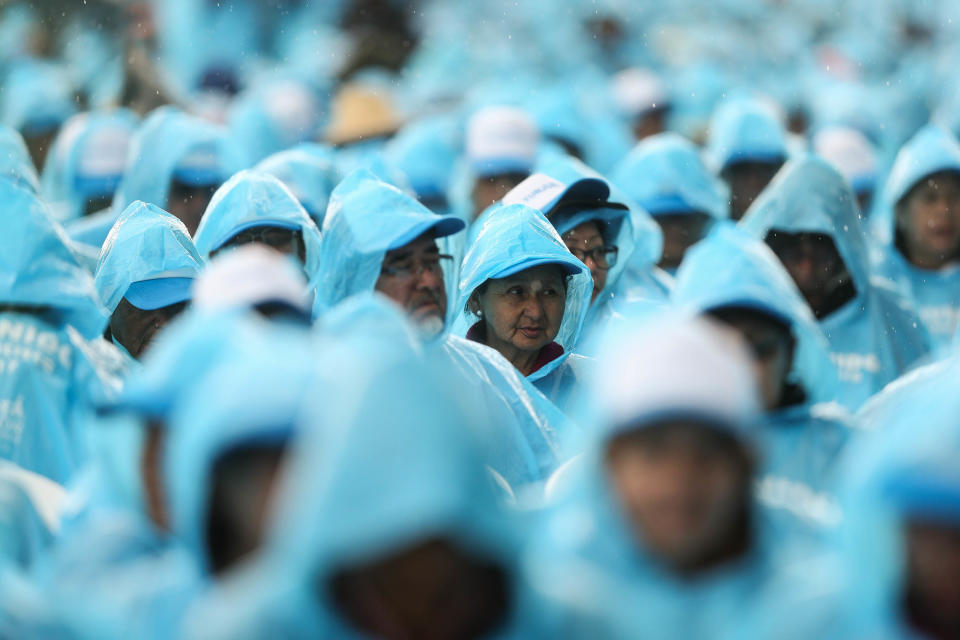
x,y
523,312
685,490
486,191
771,344
241,494
932,588
929,220
412,276
187,203
680,232
286,241
815,264
746,180
136,328
432,590
586,243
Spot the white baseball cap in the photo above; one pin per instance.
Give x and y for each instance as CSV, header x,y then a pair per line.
x,y
502,139
249,276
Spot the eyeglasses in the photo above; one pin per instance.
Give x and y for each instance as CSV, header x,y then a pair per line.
x,y
271,236
409,269
603,257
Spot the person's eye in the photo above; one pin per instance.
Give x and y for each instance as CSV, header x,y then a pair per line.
x,y
515,291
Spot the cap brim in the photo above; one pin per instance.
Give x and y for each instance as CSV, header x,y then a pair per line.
x,y
196,177
564,223
587,190
441,227
159,293
570,268
758,307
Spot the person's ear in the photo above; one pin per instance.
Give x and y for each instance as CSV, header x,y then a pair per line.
x,y
473,305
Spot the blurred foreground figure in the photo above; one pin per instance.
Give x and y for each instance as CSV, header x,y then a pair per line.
x,y
901,543
736,280
437,559
808,217
659,535
55,365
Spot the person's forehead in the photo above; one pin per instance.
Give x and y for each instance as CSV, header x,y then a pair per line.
x,y
540,272
588,231
942,179
421,245
681,432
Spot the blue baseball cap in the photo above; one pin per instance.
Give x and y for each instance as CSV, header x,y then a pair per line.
x,y
159,293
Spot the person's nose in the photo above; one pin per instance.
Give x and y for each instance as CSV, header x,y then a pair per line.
x,y
533,310
428,279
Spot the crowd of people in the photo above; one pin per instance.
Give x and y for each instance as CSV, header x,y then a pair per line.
x,y
443,320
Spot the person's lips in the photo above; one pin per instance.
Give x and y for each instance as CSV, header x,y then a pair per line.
x,y
531,332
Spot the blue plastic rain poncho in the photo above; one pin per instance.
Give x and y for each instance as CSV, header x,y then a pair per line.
x,y
903,469
87,161
514,238
37,97
29,514
384,432
309,172
587,561
561,180
169,144
275,115
156,572
876,336
426,152
665,174
51,372
365,219
254,395
251,199
800,443
745,129
15,162
936,294
145,244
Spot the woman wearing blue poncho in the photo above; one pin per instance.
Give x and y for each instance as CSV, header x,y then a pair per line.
x,y
613,237
922,253
525,295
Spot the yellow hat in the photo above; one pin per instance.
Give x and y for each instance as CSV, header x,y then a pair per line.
x,y
359,113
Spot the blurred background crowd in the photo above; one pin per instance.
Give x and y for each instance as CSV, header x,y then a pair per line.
x,y
446,319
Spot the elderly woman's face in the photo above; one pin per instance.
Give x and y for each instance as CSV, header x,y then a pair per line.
x,y
524,310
